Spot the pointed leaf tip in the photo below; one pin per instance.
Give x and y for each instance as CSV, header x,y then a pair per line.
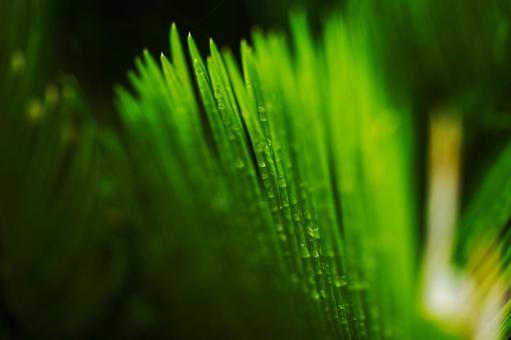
x,y
212,46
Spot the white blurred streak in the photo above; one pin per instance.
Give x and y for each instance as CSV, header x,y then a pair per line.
x,y
469,303
445,294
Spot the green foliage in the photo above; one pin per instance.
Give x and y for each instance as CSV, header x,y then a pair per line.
x,y
302,159
488,214
272,197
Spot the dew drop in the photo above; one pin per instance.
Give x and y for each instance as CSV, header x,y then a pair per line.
x,y
259,146
262,113
313,232
282,183
340,282
304,251
240,164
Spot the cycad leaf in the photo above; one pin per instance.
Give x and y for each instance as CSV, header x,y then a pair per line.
x,y
312,167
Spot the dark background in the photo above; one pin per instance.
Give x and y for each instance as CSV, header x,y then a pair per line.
x,y
97,40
